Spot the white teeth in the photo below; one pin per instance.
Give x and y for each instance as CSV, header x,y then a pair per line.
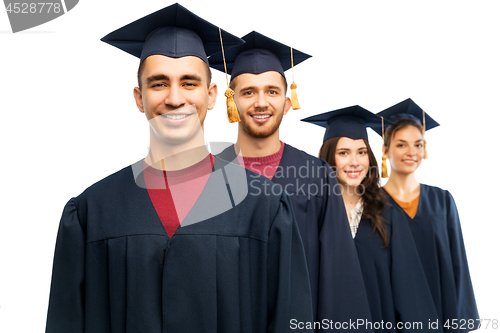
x,y
175,116
261,116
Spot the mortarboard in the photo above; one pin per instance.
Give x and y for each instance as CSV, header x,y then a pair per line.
x,y
172,31
348,122
259,54
408,109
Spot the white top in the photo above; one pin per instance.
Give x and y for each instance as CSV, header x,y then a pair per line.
x,y
356,213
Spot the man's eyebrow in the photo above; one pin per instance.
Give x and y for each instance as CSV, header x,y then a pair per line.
x,y
248,88
192,77
273,87
157,77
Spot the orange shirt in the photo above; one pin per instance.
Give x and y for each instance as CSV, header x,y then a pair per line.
x,y
410,207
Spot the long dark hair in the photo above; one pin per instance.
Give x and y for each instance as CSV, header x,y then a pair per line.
x,y
374,201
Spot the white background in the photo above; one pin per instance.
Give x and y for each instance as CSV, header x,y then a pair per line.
x,y
68,117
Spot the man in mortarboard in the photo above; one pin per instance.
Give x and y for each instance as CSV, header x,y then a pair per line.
x,y
259,84
177,242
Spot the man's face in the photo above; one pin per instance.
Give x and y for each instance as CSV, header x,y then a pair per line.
x,y
261,102
175,97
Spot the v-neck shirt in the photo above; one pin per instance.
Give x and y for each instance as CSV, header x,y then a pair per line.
x,y
410,207
174,193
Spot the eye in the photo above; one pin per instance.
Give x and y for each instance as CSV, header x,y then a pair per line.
x,y
363,152
155,85
273,92
419,145
342,153
400,145
190,84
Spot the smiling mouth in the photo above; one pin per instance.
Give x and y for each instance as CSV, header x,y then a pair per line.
x,y
260,116
175,116
352,174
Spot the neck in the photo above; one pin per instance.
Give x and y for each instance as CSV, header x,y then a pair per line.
x,y
349,194
401,184
258,147
172,157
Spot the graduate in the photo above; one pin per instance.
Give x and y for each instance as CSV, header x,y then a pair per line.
x,y
392,274
432,216
258,87
179,241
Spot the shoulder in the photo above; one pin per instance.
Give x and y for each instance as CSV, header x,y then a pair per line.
x,y
435,192
305,165
300,156
111,183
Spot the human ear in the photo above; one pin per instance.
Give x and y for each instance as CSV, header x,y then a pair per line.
x,y
212,96
138,99
288,105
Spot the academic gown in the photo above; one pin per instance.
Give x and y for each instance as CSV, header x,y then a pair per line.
x,y
438,238
333,265
394,279
236,263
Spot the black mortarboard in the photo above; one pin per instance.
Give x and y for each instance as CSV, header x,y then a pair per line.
x,y
408,109
348,122
259,54
173,32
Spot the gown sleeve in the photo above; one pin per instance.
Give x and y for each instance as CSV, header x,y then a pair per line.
x,y
289,295
66,302
466,302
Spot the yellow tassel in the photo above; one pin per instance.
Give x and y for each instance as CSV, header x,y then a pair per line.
x,y
384,167
295,101
425,150
232,110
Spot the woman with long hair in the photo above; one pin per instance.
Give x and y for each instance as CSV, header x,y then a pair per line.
x,y
432,216
389,260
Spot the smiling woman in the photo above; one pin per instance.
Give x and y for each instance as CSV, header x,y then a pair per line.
x,y
432,216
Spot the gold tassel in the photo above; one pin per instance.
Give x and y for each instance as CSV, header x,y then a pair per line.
x,y
384,158
384,167
232,110
295,101
293,86
423,134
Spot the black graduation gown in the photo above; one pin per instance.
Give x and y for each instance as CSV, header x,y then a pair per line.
x,y
333,265
438,238
236,269
395,282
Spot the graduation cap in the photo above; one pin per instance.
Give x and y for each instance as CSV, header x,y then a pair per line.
x,y
408,109
259,54
348,122
172,31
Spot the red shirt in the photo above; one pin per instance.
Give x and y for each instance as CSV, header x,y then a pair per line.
x,y
174,193
266,165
